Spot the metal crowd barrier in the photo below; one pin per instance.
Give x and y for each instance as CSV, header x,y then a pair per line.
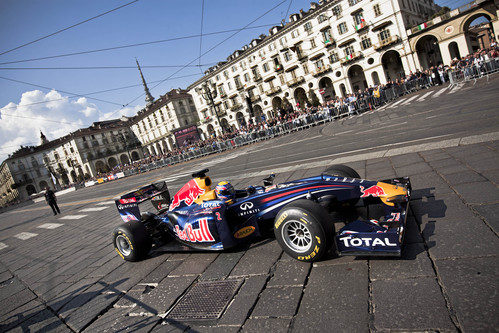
x,y
474,71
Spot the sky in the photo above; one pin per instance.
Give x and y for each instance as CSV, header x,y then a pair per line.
x,y
60,94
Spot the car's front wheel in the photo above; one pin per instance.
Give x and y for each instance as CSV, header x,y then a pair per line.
x,y
303,230
131,241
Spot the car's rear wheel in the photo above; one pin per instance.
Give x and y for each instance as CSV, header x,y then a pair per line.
x,y
341,170
303,230
131,241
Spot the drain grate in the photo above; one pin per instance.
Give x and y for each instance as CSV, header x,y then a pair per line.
x,y
206,300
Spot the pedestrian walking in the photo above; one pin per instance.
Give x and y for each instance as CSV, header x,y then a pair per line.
x,y
52,200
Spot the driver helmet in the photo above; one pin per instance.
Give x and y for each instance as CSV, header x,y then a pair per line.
x,y
225,191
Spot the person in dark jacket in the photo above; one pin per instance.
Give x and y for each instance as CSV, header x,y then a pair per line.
x,y
52,200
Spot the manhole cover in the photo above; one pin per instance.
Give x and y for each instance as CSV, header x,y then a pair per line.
x,y
206,300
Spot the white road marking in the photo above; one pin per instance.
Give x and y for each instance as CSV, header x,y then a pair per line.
x,y
3,246
72,217
424,96
50,225
440,92
25,235
396,103
111,202
429,117
455,88
387,126
92,209
409,100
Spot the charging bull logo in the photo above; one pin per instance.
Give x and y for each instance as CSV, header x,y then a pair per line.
x,y
373,191
188,193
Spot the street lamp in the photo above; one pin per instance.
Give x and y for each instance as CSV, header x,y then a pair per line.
x,y
209,91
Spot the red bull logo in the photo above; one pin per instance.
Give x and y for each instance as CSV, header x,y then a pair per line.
x,y
201,234
188,193
373,191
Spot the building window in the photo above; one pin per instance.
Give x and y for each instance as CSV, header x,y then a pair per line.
x,y
337,11
217,77
305,68
353,2
271,47
295,33
266,67
349,50
237,81
358,19
260,87
342,28
333,58
377,10
281,78
322,18
226,75
384,35
308,27
229,86
283,41
233,69
327,37
312,43
287,56
246,77
319,64
365,42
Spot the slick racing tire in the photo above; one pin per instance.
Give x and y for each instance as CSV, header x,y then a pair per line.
x,y
342,171
303,230
131,241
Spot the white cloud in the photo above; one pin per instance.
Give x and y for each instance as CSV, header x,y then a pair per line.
x,y
52,113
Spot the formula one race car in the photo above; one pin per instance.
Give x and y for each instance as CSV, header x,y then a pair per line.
x,y
302,214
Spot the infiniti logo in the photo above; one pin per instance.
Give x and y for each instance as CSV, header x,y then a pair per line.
x,y
246,205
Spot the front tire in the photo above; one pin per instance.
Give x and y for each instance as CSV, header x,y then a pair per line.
x,y
303,230
131,241
341,170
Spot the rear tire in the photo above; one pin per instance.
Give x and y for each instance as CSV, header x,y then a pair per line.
x,y
131,241
304,231
341,171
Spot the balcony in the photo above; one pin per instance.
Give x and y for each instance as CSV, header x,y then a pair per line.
x,y
295,81
329,42
239,87
273,91
386,42
301,56
255,98
205,120
223,94
236,107
321,70
278,68
351,57
361,26
257,78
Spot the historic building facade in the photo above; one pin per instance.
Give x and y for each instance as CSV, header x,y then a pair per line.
x,y
155,126
333,49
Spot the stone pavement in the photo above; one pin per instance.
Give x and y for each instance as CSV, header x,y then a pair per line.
x,y
70,279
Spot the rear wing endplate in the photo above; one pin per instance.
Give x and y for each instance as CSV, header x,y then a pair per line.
x,y
128,204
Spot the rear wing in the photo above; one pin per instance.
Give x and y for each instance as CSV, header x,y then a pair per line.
x,y
128,204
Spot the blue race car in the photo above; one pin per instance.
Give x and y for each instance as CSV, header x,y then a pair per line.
x,y
302,214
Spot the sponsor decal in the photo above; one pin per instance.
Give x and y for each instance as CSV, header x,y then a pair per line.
x,y
270,188
373,191
280,219
211,204
128,200
244,232
395,217
188,193
366,241
201,234
127,217
246,208
126,206
246,205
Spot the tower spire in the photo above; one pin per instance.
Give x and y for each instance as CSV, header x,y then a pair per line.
x,y
149,98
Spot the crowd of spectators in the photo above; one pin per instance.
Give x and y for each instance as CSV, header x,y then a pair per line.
x,y
354,103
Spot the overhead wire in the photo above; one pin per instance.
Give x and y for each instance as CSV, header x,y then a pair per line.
x,y
201,35
70,27
206,52
130,45
101,67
